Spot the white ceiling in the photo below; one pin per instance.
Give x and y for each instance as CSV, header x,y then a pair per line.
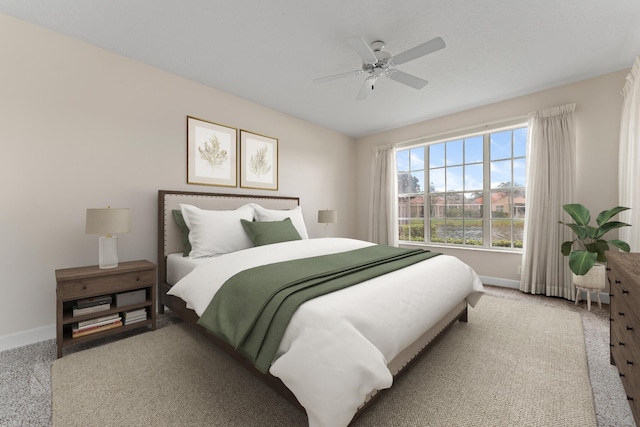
x,y
270,51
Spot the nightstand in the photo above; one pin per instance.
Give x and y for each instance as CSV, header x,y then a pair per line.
x,y
128,288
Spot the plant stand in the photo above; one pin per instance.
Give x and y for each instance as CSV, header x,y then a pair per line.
x,y
588,291
593,281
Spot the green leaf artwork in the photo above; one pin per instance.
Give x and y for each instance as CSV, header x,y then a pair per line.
x,y
213,153
259,164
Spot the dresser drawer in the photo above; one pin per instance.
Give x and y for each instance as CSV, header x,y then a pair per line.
x,y
628,341
619,335
629,375
625,288
617,303
626,346
624,321
622,309
103,285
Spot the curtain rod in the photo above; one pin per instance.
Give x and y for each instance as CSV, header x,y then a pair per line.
x,y
468,129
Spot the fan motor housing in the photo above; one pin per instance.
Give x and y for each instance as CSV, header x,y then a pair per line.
x,y
377,47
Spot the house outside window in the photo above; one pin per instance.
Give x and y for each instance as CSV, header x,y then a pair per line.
x,y
465,190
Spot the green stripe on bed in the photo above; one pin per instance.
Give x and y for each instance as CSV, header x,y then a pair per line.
x,y
252,309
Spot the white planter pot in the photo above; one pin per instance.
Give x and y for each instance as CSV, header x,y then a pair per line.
x,y
594,279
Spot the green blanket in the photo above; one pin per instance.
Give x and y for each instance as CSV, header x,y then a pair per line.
x,y
252,309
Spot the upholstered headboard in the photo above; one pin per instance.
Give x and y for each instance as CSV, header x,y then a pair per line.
x,y
169,237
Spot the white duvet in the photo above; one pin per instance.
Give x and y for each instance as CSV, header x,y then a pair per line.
x,y
336,348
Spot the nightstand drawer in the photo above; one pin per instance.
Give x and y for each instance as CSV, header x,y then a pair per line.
x,y
102,285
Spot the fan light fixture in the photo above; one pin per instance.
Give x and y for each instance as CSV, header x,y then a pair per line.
x,y
107,221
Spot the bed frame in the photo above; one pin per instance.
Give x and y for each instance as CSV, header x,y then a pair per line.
x,y
170,241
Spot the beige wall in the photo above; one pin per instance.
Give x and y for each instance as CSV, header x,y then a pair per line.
x,y
598,109
81,127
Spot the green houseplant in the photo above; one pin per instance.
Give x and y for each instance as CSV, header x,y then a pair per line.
x,y
591,245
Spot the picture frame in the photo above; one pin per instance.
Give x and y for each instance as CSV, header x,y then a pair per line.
x,y
258,161
212,153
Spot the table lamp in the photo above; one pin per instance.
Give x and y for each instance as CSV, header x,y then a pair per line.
x,y
327,217
107,221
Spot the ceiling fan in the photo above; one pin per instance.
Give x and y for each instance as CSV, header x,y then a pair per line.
x,y
377,62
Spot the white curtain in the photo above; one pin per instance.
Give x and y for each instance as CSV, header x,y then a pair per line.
x,y
383,224
550,183
629,160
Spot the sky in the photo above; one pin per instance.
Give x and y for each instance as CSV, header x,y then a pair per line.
x,y
456,165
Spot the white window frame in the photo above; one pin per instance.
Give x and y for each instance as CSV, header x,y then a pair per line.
x,y
484,130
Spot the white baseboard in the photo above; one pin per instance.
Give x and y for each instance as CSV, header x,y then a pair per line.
x,y
515,284
503,283
30,336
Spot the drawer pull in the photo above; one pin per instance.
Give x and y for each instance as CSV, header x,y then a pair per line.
x,y
630,398
608,268
629,328
629,362
84,287
621,343
617,281
624,292
620,313
621,374
611,295
137,279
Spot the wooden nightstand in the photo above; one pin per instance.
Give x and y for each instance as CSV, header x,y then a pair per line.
x,y
82,283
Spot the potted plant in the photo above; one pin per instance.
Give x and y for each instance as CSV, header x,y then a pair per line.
x,y
591,246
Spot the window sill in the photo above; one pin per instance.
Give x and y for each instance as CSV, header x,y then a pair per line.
x,y
464,248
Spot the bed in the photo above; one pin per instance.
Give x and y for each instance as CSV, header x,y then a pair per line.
x,y
336,354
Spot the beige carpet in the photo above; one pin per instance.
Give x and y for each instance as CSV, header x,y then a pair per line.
x,y
496,370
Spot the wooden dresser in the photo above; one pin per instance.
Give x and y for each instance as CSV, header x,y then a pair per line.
x,y
623,271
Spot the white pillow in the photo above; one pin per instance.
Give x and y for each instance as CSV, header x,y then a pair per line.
x,y
216,232
266,215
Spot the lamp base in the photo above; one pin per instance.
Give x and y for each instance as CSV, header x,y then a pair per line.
x,y
108,252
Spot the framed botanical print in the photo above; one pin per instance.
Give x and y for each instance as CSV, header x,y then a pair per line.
x,y
211,153
258,161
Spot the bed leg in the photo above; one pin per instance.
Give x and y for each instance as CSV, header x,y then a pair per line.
x,y
161,308
464,315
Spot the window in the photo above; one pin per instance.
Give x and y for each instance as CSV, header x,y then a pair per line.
x,y
468,190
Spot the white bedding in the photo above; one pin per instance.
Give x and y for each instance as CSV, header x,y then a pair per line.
x,y
336,348
179,266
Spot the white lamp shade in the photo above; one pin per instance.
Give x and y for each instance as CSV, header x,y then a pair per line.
x,y
106,221
327,216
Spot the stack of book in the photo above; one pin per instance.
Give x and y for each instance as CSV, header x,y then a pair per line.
x,y
92,305
99,324
134,316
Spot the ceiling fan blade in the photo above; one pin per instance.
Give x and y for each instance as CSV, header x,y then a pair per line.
x,y
362,48
407,79
418,51
366,89
337,76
